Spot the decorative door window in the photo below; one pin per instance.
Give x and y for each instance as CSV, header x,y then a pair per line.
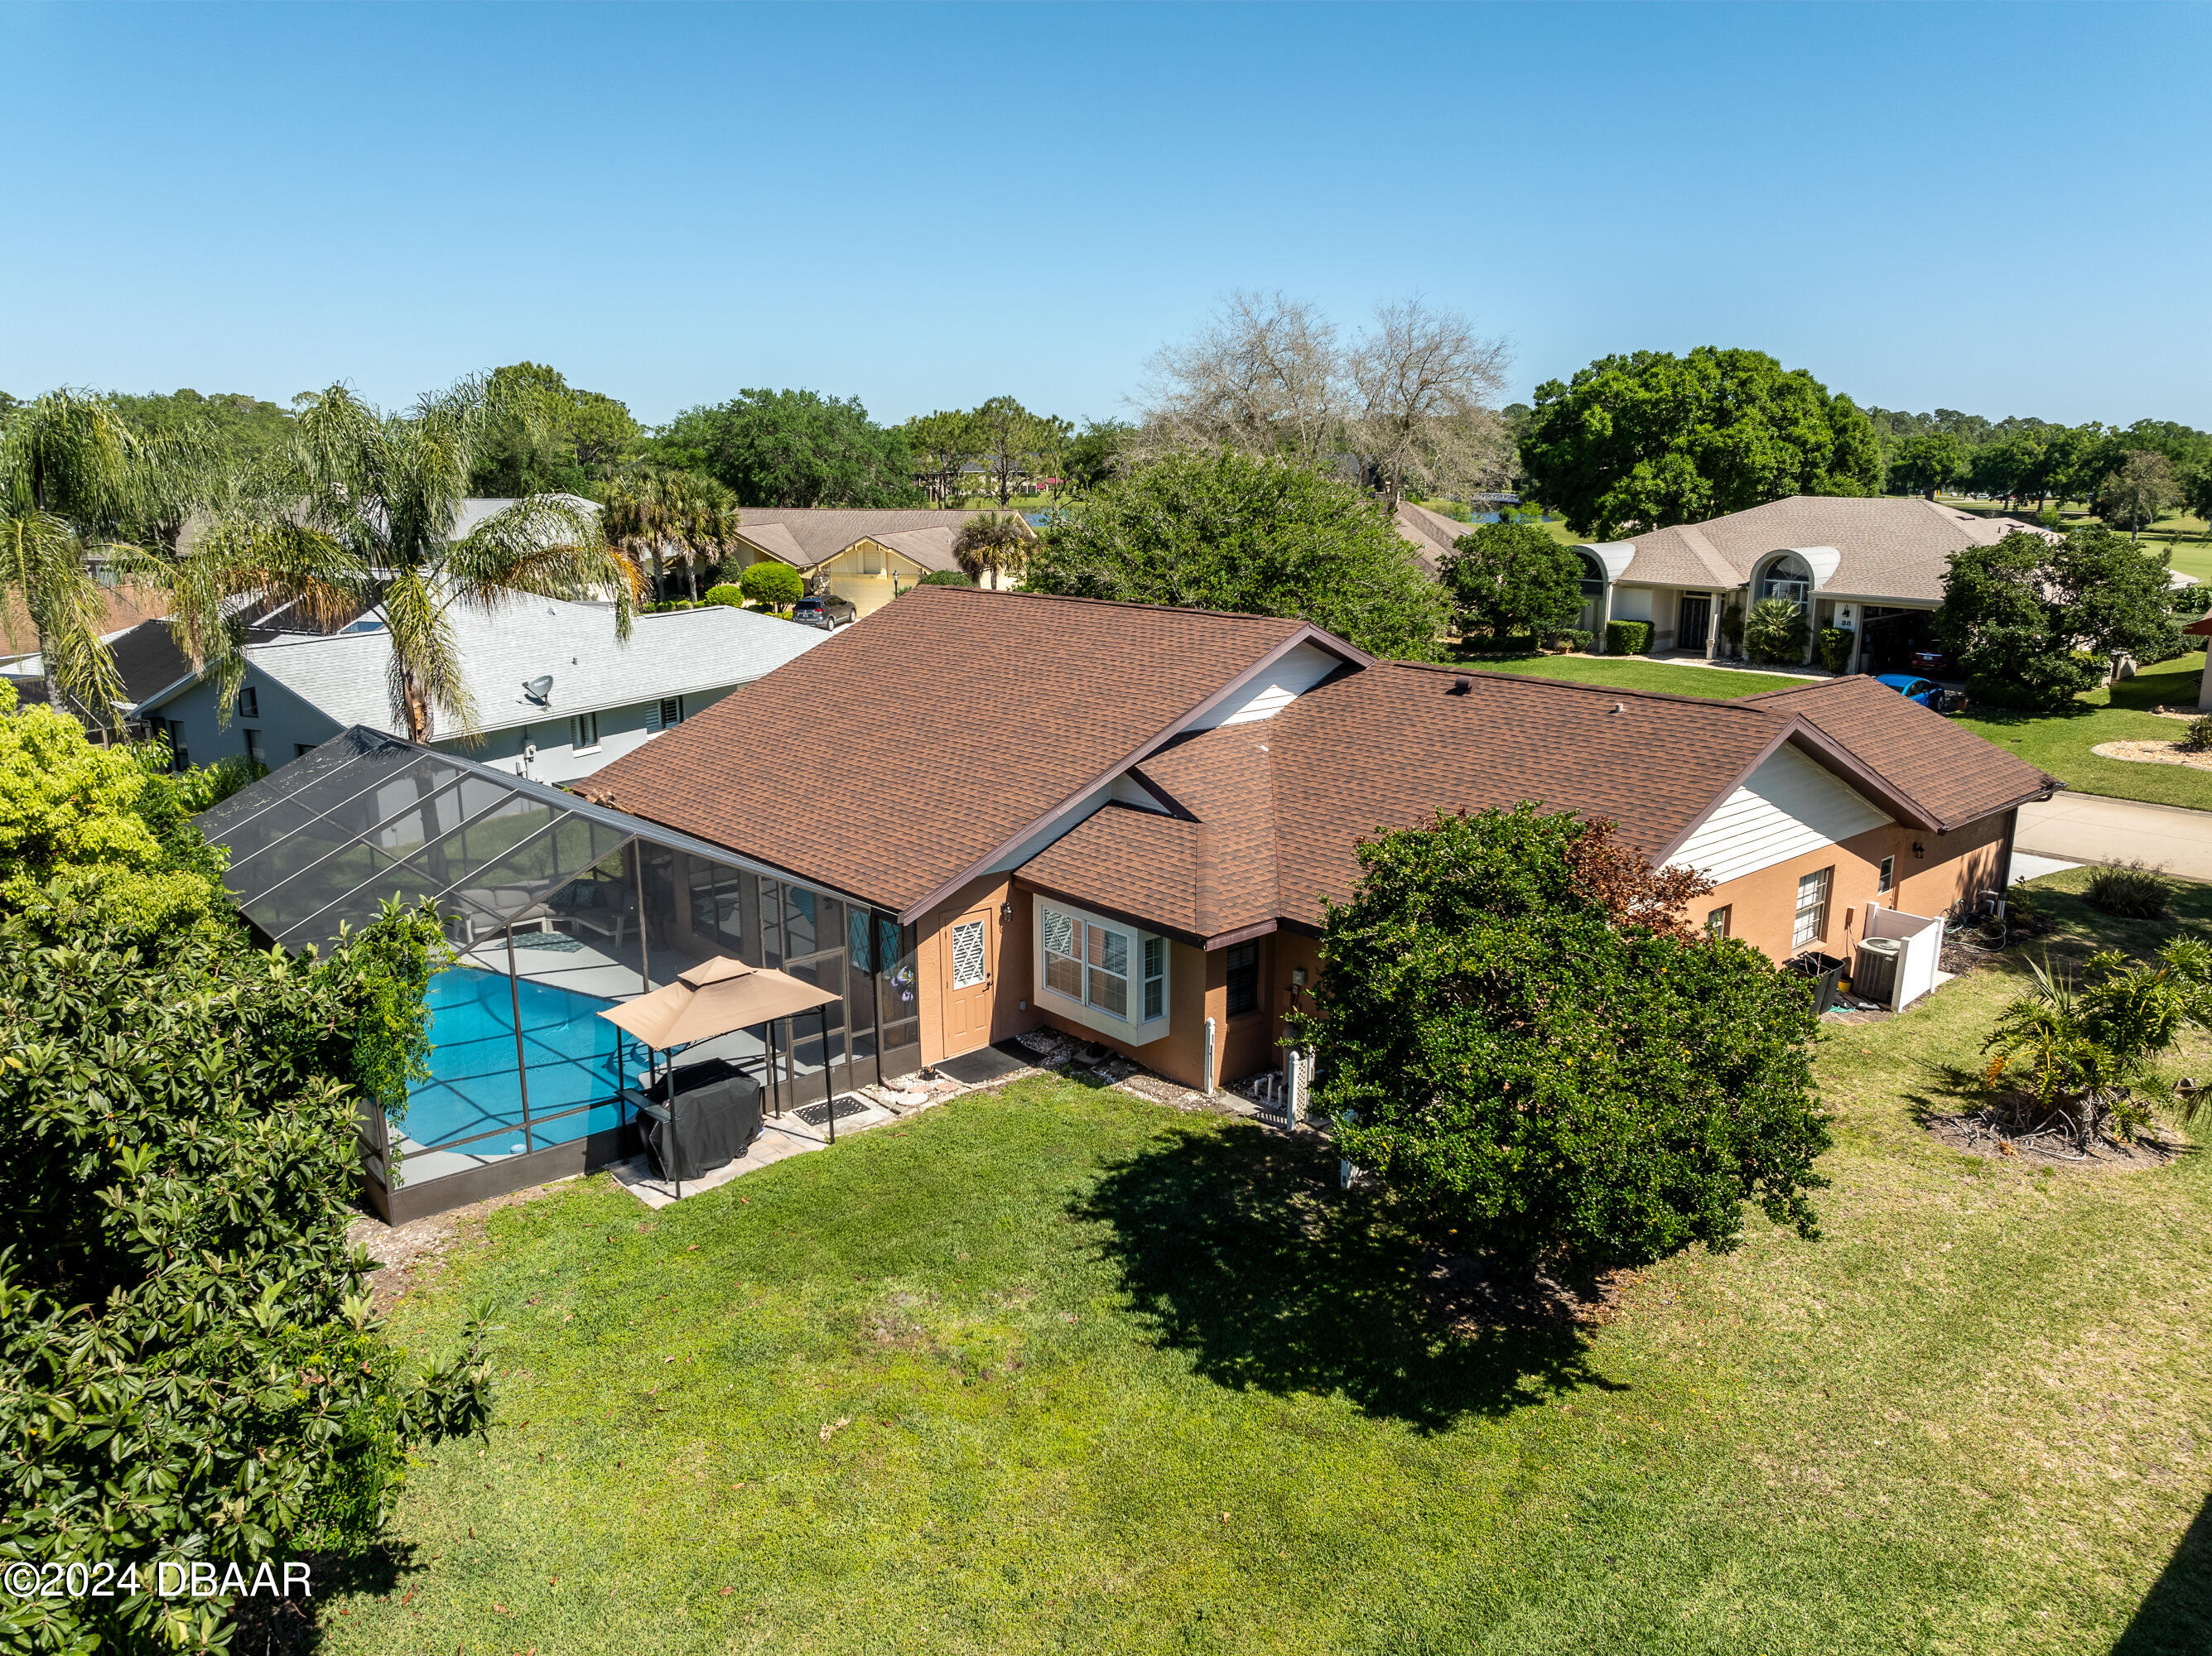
x,y
968,955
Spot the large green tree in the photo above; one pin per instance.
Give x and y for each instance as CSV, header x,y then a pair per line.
x,y
2034,620
362,514
547,436
945,445
1230,531
245,426
793,448
1512,580
1924,465
2136,492
1653,439
1015,443
1513,1032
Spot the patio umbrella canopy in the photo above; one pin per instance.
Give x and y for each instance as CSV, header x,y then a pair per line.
x,y
715,998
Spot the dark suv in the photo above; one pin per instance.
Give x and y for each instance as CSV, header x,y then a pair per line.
x,y
826,612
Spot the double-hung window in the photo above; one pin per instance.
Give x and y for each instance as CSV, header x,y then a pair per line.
x,y
1812,908
1243,978
1888,876
1110,969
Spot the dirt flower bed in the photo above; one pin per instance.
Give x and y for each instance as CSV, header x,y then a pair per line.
x,y
1973,1132
2153,753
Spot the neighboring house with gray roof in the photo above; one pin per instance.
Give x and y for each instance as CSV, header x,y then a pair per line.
x,y
1875,567
606,697
867,556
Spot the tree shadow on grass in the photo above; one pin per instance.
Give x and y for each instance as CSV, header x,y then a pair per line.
x,y
2175,1618
1238,1248
293,1626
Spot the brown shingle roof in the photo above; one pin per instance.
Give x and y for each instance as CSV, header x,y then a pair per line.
x,y
1889,548
1387,747
891,760
1952,774
806,536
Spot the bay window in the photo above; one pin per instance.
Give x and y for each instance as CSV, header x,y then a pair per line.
x,y
1115,974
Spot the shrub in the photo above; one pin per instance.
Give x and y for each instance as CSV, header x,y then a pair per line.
x,y
2040,684
2133,891
1775,630
1576,638
1835,647
1513,578
189,1365
1627,638
1732,626
726,593
1515,1034
773,584
2198,737
945,577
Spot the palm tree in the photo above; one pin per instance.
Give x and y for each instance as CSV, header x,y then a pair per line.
x,y
360,516
79,487
992,541
640,519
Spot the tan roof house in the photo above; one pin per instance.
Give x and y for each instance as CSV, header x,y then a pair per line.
x,y
1123,820
1874,567
866,556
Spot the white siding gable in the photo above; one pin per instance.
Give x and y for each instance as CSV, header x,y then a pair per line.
x,y
1788,806
1285,681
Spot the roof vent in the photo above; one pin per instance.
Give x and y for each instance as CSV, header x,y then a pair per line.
x,y
1462,684
1621,706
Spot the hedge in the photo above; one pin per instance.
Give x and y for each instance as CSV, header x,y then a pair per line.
x,y
1627,638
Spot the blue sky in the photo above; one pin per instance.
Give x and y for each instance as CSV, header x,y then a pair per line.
x,y
1997,208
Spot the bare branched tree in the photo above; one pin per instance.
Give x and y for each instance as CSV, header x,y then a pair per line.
x,y
1410,402
1424,392
1265,376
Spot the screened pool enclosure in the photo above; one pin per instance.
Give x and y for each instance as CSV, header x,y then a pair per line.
x,y
556,909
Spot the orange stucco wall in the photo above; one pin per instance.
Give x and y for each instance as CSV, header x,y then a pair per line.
x,y
1950,868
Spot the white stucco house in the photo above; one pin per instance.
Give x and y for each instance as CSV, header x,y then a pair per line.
x,y
604,698
1875,567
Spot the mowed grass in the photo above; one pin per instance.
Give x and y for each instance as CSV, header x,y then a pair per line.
x,y
2063,743
2059,743
1634,673
1055,1370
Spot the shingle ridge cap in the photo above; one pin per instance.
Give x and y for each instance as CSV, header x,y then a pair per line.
x,y
1115,603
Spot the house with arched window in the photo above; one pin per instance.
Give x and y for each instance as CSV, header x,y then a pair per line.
x,y
1874,567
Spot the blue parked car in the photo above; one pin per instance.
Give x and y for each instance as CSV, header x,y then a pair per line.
x,y
1925,691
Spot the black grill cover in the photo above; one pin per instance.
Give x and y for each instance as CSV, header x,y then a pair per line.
x,y
717,1111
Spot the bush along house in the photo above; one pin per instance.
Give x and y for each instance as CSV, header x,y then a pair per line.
x,y
1122,820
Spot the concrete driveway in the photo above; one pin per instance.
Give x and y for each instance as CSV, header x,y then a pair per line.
x,y
2087,827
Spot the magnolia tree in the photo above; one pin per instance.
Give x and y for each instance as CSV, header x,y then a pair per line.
x,y
1517,1033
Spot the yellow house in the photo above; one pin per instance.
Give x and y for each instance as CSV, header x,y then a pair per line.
x,y
866,557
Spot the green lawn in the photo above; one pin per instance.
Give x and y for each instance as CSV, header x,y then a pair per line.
x,y
2058,744
2061,744
1634,673
1057,1370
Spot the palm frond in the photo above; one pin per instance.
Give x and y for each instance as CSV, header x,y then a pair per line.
x,y
545,546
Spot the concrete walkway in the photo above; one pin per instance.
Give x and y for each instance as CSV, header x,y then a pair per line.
x,y
2087,827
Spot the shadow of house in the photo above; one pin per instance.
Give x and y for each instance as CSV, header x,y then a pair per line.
x,y
2175,1618
1239,1250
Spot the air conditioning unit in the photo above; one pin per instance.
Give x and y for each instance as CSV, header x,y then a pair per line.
x,y
1874,973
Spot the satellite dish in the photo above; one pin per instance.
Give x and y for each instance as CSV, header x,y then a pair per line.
x,y
540,688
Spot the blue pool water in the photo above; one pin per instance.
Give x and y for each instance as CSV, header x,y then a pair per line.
x,y
572,1053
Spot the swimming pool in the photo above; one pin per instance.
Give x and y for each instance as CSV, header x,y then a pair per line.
x,y
472,1101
